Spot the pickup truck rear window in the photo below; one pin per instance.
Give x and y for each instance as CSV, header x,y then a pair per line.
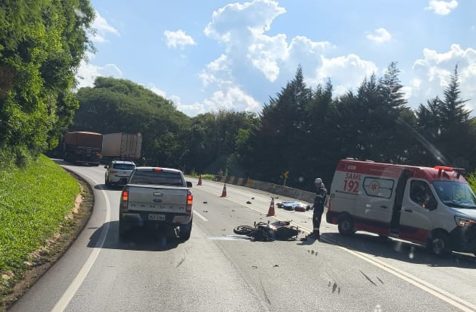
x,y
123,166
157,178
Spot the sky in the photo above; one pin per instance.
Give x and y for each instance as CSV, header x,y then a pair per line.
x,y
209,55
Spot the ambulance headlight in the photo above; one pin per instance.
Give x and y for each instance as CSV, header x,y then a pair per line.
x,y
462,221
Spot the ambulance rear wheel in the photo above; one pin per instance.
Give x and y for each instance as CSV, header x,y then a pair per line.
x,y
346,225
439,244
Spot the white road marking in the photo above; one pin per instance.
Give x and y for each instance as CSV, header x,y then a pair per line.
x,y
81,276
423,285
415,281
200,216
429,288
229,238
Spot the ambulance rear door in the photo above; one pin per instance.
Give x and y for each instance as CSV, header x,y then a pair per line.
x,y
344,192
374,206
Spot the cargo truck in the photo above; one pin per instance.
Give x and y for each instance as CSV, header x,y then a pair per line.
x,y
121,146
81,147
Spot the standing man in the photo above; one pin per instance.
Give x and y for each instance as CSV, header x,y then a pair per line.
x,y
318,206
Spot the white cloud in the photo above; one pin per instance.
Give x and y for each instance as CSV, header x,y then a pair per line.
x,y
379,35
432,74
265,52
234,19
88,72
101,28
156,90
188,109
217,72
232,98
242,28
174,98
442,7
192,110
178,39
346,72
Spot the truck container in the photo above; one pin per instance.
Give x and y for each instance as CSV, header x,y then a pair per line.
x,y
82,147
121,146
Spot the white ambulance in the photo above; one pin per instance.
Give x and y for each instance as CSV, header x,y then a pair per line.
x,y
431,206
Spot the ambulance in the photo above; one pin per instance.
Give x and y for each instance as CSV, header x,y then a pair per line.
x,y
429,206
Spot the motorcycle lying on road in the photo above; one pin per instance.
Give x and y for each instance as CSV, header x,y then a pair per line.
x,y
267,232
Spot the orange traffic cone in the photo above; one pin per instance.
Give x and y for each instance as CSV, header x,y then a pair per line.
x,y
223,193
271,211
199,180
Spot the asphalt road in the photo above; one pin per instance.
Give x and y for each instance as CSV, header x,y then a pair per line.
x,y
217,270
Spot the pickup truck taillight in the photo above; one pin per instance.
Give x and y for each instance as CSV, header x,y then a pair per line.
x,y
189,202
124,199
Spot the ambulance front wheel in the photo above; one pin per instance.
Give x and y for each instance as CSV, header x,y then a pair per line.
x,y
345,225
439,244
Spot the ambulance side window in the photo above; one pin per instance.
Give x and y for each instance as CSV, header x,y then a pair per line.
x,y
421,194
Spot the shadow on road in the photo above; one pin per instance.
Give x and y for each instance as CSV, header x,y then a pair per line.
x,y
108,188
64,162
388,248
142,239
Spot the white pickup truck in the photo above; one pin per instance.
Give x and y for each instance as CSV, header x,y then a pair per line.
x,y
159,197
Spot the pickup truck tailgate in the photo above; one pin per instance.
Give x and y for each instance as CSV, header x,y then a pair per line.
x,y
157,198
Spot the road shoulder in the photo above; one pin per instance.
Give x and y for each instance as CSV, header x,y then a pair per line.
x,y
48,254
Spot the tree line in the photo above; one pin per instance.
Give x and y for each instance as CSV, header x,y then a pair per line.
x,y
300,134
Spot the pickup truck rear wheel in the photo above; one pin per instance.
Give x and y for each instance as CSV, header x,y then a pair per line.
x,y
185,231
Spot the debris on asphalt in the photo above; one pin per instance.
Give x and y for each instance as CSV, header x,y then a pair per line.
x,y
252,198
205,210
275,266
254,266
205,202
248,202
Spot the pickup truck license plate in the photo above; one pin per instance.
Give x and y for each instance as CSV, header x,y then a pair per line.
x,y
156,217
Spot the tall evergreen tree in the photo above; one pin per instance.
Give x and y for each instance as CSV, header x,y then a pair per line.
x,y
279,137
445,124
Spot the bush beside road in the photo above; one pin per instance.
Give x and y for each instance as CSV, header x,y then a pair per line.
x,y
39,205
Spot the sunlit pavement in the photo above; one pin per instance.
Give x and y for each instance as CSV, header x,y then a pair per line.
x,y
217,270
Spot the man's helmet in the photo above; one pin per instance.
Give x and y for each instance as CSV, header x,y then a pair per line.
x,y
318,181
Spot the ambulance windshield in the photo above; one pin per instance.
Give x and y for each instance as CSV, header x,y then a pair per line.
x,y
455,194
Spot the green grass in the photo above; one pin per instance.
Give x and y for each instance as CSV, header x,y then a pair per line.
x,y
205,176
33,204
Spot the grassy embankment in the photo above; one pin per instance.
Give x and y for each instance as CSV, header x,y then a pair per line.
x,y
34,206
